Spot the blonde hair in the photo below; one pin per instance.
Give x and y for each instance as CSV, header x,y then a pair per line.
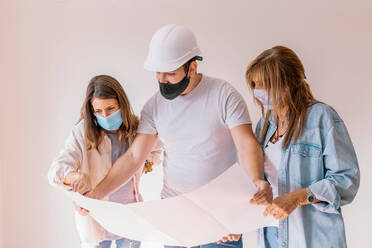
x,y
279,71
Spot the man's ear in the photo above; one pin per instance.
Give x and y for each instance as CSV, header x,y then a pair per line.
x,y
193,69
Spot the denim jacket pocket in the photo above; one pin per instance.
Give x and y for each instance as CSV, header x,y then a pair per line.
x,y
306,164
306,150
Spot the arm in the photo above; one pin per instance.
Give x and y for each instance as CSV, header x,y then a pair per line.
x,y
339,185
67,162
251,159
249,152
284,205
155,157
342,176
125,166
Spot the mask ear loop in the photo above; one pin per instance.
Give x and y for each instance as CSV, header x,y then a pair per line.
x,y
188,67
189,63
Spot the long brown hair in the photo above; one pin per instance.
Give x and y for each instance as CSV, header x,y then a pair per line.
x,y
106,87
281,73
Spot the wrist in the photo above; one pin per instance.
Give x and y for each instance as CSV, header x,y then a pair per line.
x,y
71,177
301,197
95,194
259,181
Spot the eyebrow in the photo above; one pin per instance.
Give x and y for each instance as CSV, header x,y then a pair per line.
x,y
111,106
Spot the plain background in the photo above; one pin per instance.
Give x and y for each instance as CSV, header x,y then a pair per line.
x,y
50,49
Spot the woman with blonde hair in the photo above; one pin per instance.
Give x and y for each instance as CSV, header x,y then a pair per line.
x,y
106,128
310,160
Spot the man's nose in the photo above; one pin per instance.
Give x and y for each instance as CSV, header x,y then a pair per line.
x,y
162,78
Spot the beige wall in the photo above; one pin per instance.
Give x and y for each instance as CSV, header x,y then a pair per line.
x,y
50,49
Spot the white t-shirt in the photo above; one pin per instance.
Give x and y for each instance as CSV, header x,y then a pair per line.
x,y
195,131
273,154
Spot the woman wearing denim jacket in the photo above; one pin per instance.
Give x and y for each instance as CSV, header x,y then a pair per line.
x,y
310,160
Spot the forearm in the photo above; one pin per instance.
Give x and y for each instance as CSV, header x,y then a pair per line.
x,y
250,153
251,159
126,166
122,171
301,197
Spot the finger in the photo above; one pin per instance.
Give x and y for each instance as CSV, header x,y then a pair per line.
x,y
74,187
84,189
80,187
267,211
84,211
264,200
263,195
261,201
257,200
77,186
273,210
87,193
224,239
282,216
259,194
237,237
229,238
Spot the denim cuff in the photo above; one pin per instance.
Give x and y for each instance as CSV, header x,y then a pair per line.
x,y
326,192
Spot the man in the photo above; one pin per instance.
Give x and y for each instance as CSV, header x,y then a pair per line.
x,y
202,121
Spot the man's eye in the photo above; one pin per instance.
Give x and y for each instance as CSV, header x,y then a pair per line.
x,y
97,111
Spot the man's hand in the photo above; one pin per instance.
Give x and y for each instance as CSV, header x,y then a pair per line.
x,y
83,211
264,196
230,237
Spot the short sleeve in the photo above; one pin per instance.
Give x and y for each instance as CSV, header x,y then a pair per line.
x,y
234,108
147,123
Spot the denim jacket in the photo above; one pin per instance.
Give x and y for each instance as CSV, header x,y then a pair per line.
x,y
322,159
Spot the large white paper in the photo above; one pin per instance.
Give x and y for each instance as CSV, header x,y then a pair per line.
x,y
203,216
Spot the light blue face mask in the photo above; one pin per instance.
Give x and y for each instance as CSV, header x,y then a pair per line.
x,y
263,97
111,122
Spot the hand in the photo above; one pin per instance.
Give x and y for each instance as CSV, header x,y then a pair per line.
x,y
264,196
80,210
284,205
79,182
83,211
230,237
92,194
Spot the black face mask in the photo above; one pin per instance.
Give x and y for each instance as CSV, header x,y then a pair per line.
x,y
171,91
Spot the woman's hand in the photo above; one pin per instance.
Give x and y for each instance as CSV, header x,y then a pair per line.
x,y
264,196
83,211
80,210
284,205
79,182
230,237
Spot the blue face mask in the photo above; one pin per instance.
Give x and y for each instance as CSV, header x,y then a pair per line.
x,y
110,123
263,97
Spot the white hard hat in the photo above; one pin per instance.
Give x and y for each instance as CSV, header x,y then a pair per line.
x,y
171,47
